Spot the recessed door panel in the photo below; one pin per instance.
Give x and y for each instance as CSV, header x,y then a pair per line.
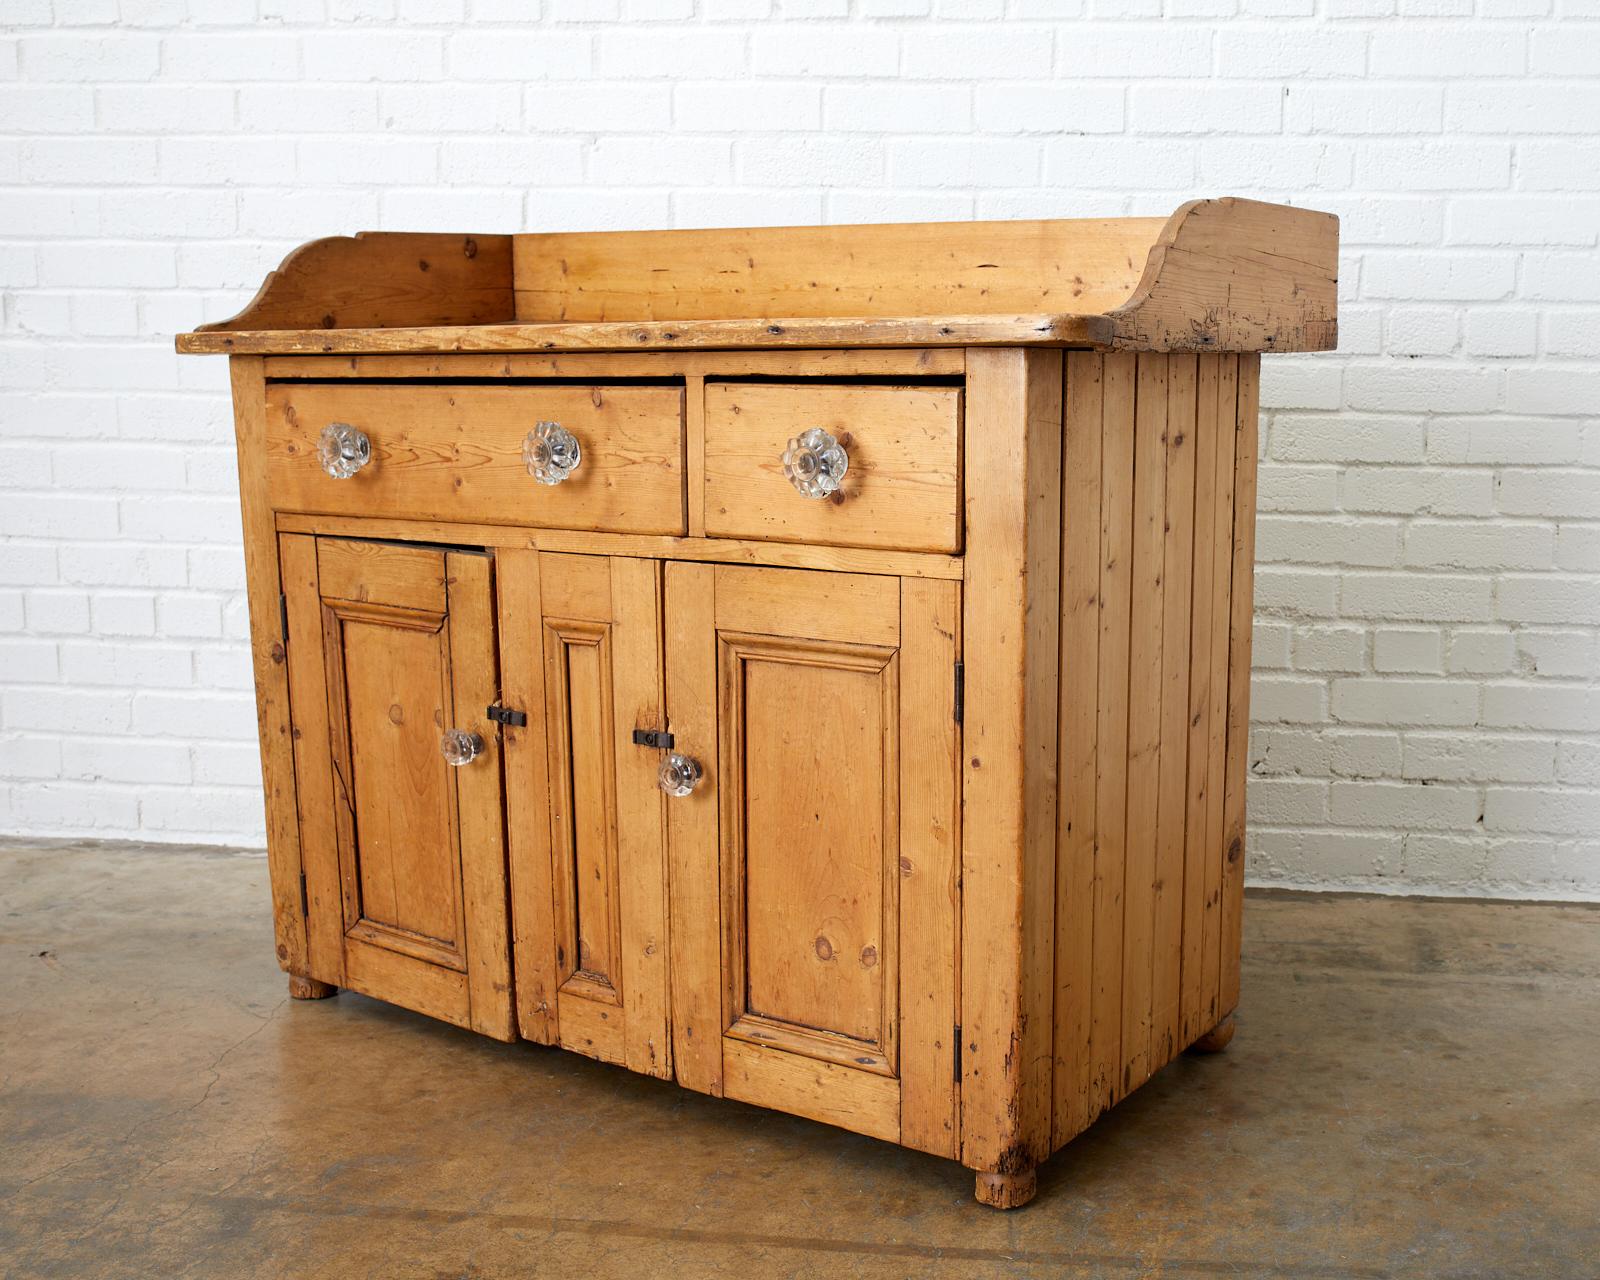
x,y
388,648
810,772
396,693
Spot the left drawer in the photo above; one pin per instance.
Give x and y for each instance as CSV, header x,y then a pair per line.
x,y
461,453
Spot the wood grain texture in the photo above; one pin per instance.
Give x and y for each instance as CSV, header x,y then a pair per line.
x,y
679,335
455,453
1153,545
929,865
270,669
603,366
1075,816
1111,727
902,564
480,798
1218,275
692,822
879,270
382,279
1010,628
900,491
525,749
1236,275
1240,604
856,1100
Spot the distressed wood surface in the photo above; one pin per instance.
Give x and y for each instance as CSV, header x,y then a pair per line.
x,y
1218,275
1010,629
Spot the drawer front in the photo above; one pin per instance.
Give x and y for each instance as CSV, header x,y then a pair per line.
x,y
902,488
455,453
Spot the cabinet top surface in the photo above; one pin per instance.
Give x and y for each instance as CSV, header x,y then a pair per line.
x,y
1218,275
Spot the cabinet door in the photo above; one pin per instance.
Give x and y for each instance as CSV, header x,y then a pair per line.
x,y
581,652
389,648
815,893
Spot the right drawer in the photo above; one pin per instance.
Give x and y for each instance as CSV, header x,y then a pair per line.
x,y
901,488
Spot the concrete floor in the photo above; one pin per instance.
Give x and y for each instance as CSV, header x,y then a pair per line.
x,y
1414,1091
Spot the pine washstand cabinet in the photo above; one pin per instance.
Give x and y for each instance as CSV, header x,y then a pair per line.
x,y
808,664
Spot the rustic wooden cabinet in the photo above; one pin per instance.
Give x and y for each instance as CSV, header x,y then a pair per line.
x,y
807,664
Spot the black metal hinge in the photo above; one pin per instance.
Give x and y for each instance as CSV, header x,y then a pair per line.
x,y
961,690
305,901
653,738
283,617
504,715
958,1055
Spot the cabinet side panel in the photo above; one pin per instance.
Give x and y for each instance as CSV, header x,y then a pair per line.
x,y
1011,632
1075,817
1241,605
268,659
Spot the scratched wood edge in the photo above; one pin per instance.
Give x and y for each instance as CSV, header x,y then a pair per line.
x,y
1010,628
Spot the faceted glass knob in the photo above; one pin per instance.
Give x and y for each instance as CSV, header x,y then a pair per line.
x,y
343,450
815,463
458,747
679,774
551,452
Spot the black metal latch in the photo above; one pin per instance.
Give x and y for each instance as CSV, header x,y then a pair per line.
x,y
652,738
504,715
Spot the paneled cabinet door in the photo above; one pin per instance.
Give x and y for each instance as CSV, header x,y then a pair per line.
x,y
390,649
581,654
814,866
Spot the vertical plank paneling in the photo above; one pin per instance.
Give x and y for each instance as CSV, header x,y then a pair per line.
x,y
1144,715
527,795
247,374
1011,633
930,845
1166,959
1075,818
693,852
1217,742
1111,721
1196,847
1240,606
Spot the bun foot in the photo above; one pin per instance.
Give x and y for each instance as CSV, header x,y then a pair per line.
x,y
1006,1190
310,989
1215,1040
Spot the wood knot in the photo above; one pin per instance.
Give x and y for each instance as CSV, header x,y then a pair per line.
x,y
869,957
469,247
824,948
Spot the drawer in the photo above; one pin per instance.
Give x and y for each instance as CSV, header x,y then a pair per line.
x,y
901,488
456,453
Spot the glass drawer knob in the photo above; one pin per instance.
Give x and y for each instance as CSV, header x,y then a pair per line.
x,y
458,747
551,452
343,450
815,462
679,774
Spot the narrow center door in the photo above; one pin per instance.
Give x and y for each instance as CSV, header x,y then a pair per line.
x,y
581,660
814,859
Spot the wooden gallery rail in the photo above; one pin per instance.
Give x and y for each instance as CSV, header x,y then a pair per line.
x,y
809,664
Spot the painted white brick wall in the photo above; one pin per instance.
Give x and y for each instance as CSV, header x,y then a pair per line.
x,y
1427,700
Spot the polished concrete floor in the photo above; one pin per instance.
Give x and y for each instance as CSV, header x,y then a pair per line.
x,y
1414,1091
